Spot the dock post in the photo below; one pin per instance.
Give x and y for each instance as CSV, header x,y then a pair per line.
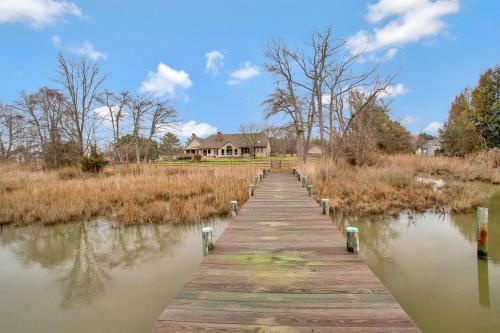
x,y
325,204
260,178
207,239
250,190
232,207
482,233
352,239
304,181
310,189
298,176
256,181
293,172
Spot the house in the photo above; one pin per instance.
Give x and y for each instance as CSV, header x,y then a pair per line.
x,y
229,145
315,151
429,148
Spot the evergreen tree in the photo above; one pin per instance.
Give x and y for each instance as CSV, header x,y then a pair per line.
x,y
459,134
170,145
486,107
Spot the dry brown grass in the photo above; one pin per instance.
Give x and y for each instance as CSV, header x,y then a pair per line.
x,y
133,195
390,186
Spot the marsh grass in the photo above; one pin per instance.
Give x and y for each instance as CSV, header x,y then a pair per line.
x,y
390,186
135,195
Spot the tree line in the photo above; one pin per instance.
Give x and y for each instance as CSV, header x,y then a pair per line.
x,y
59,125
474,117
321,92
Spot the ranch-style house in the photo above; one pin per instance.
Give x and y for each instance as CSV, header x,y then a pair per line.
x,y
229,145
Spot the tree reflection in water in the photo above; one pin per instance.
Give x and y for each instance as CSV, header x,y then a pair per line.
x,y
85,254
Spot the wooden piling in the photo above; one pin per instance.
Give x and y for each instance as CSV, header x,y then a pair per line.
x,y
304,181
232,207
352,239
482,233
325,205
250,190
207,239
310,189
293,171
256,181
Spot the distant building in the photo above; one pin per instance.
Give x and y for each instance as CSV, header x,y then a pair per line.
x,y
430,148
229,145
315,151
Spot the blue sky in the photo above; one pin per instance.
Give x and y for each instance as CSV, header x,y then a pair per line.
x,y
206,56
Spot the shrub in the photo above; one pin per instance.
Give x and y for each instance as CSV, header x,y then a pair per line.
x,y
197,157
95,162
69,173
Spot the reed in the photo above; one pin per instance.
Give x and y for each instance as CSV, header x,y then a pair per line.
x,y
391,185
135,195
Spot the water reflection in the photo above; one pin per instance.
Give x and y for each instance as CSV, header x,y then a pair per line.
x,y
82,270
429,263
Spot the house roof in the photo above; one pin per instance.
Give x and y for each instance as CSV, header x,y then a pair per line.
x,y
236,140
431,143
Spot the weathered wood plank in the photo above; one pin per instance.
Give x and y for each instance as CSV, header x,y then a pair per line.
x,y
282,266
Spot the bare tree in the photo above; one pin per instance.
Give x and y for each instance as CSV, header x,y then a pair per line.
x,y
10,131
80,82
162,115
115,106
310,82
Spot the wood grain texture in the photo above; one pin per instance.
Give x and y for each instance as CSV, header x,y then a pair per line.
x,y
282,266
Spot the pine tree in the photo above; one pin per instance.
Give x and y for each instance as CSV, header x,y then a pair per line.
x,y
170,145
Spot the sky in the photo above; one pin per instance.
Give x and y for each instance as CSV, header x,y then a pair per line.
x,y
206,56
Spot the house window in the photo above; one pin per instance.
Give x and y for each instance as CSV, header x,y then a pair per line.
x,y
235,151
204,152
222,152
245,150
210,151
229,150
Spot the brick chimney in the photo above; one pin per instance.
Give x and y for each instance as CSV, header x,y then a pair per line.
x,y
219,137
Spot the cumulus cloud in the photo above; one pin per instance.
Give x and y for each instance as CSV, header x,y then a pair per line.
x,y
215,61
433,127
186,129
86,49
394,90
36,13
165,81
403,22
245,72
103,113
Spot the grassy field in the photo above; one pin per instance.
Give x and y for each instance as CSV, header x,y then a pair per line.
x,y
132,195
393,185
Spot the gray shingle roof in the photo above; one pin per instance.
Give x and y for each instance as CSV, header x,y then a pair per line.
x,y
236,140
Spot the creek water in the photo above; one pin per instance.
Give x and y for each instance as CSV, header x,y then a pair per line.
x,y
89,277
429,264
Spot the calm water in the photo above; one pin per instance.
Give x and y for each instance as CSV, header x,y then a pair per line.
x,y
91,278
428,262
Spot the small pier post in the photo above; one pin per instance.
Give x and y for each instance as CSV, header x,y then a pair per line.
x,y
294,171
250,190
310,189
260,178
325,204
232,207
256,181
304,181
207,239
298,176
352,239
482,233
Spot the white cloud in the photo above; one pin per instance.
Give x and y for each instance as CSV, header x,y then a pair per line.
x,y
433,127
88,50
165,81
246,71
185,130
394,90
103,113
36,13
409,120
215,61
407,21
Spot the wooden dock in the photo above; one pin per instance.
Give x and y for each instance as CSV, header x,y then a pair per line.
x,y
282,266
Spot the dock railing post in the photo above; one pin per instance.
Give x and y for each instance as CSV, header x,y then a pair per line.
x,y
232,207
256,181
352,239
304,181
250,190
325,205
207,239
310,189
482,233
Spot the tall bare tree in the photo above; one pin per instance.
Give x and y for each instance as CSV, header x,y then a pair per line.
x,y
161,116
80,82
11,127
312,81
252,134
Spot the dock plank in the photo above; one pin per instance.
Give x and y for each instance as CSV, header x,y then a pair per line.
x,y
282,266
